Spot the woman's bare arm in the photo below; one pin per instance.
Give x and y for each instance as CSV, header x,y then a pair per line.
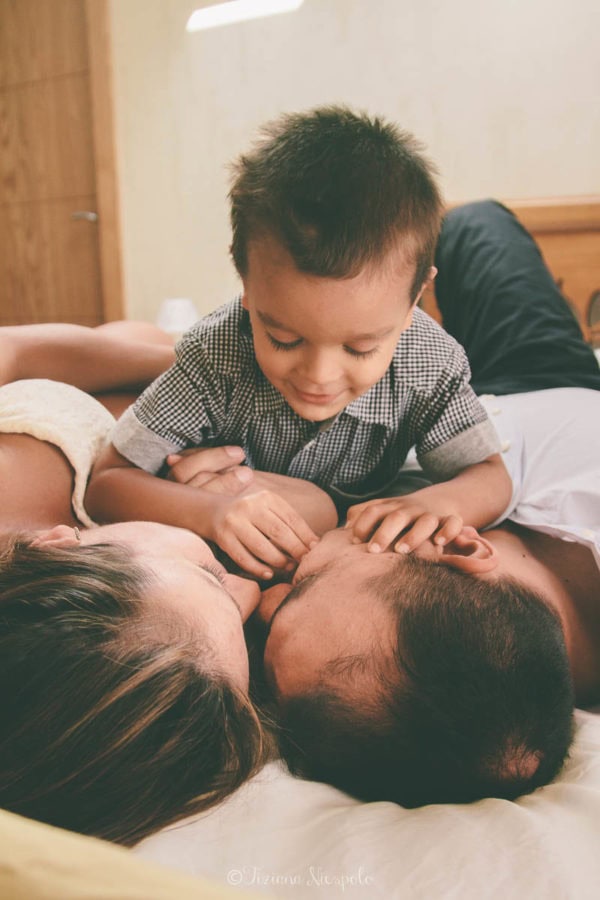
x,y
93,359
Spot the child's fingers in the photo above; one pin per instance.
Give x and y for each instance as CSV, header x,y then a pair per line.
x,y
257,539
422,529
450,528
292,533
236,550
232,481
211,460
392,525
366,521
381,505
178,472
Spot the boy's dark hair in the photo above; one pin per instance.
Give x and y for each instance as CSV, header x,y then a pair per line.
x,y
480,703
337,189
112,723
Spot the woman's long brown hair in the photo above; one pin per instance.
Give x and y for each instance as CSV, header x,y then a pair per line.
x,y
107,727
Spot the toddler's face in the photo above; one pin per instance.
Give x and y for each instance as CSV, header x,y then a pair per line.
x,y
322,342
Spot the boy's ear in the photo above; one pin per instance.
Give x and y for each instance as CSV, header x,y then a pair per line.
x,y
469,552
426,284
59,536
244,301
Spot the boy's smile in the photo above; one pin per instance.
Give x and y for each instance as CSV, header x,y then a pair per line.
x,y
322,342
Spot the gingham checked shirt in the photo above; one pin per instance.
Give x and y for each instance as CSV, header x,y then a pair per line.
x,y
215,394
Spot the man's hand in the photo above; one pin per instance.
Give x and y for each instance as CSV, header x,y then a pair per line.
x,y
406,522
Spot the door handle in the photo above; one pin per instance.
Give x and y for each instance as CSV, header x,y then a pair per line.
x,y
86,215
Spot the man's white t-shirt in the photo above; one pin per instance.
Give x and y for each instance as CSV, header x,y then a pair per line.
x,y
551,447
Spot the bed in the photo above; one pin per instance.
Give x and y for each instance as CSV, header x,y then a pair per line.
x,y
286,837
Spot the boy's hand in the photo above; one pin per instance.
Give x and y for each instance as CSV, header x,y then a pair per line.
x,y
260,532
406,522
217,469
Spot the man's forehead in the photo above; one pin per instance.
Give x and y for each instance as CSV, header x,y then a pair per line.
x,y
345,622
368,577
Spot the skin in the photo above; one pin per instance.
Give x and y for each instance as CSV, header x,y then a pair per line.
x,y
323,342
187,581
114,362
329,610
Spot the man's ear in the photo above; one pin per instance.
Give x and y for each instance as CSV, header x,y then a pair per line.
x,y
469,552
244,301
59,536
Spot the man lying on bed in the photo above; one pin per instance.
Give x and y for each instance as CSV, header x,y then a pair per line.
x,y
444,675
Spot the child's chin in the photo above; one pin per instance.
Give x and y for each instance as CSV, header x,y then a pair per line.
x,y
312,411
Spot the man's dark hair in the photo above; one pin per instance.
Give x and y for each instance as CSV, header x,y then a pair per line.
x,y
337,190
477,700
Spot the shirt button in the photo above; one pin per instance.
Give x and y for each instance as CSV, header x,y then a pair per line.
x,y
496,411
505,446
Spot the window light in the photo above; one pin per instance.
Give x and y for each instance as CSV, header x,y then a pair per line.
x,y
238,11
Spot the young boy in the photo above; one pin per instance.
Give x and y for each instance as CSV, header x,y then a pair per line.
x,y
324,369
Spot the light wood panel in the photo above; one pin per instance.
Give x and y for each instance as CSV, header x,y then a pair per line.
x,y
52,86
41,39
46,149
101,83
49,266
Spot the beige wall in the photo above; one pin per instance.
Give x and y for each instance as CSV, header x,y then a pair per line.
x,y
504,93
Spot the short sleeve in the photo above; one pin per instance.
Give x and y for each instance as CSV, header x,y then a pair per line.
x,y
456,431
179,409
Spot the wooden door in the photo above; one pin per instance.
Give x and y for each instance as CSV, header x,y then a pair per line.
x,y
51,267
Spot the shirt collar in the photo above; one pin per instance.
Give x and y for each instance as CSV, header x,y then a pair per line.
x,y
378,404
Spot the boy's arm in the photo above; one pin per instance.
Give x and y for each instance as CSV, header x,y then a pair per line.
x,y
476,496
259,530
87,358
207,467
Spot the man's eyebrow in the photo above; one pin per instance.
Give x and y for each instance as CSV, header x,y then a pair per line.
x,y
294,594
266,319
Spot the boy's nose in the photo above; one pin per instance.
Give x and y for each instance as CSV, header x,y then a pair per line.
x,y
320,368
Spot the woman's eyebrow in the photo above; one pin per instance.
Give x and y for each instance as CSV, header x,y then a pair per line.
x,y
215,581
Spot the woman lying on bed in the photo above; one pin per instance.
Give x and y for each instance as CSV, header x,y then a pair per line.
x,y
124,667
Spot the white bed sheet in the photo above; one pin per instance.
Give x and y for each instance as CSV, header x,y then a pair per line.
x,y
291,838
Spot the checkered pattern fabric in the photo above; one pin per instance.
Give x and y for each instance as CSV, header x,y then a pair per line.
x,y
216,394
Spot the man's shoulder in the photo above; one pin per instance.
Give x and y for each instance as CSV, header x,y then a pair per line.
x,y
221,339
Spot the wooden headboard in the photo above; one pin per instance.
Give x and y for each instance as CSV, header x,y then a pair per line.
x,y
567,230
